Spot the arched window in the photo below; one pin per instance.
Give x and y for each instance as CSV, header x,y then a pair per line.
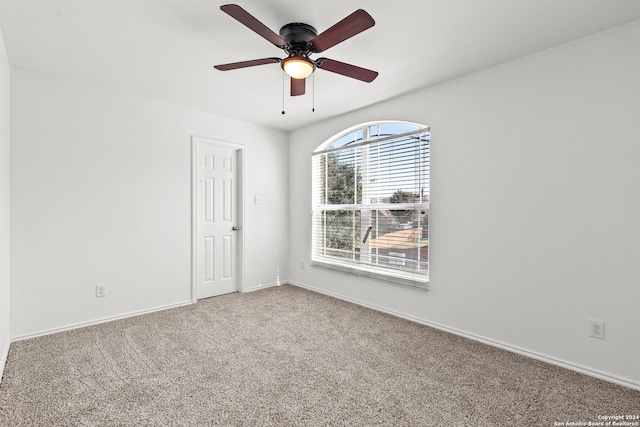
x,y
371,202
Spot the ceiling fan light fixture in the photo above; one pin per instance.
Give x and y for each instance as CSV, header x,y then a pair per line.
x,y
298,67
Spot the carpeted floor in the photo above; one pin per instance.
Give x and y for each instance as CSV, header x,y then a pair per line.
x,y
286,356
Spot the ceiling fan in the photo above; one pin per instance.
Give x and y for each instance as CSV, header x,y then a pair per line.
x,y
299,41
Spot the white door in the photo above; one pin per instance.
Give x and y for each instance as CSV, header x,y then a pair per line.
x,y
216,216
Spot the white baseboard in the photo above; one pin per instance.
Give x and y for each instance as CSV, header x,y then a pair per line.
x,y
98,321
514,349
263,286
122,316
3,358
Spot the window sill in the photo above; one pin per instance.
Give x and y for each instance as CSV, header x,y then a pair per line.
x,y
386,276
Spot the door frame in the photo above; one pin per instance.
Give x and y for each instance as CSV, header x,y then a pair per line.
x,y
239,148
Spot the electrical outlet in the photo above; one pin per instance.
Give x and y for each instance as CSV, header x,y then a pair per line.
x,y
101,290
596,329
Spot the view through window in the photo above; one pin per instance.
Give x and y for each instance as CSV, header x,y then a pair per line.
x,y
371,202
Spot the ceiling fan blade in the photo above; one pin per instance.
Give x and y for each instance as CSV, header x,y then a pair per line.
x,y
297,86
244,17
346,69
353,24
244,64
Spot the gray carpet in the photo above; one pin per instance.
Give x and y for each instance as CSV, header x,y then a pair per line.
x,y
286,356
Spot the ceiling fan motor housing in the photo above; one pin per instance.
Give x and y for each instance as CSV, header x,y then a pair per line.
x,y
298,36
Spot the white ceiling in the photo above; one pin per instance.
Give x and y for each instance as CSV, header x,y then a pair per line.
x,y
166,49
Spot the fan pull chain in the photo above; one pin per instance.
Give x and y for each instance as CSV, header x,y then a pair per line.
x,y
282,93
313,92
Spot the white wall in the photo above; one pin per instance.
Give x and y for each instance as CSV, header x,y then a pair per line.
x,y
4,204
535,224
101,193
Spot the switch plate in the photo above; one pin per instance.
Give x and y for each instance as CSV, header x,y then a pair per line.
x,y
256,200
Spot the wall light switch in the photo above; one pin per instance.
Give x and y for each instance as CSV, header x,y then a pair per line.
x,y
257,200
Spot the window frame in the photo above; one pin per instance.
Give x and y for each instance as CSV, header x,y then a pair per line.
x,y
415,278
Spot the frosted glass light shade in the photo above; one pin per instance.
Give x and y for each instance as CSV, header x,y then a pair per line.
x,y
297,67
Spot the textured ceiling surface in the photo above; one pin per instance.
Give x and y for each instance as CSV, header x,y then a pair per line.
x,y
166,49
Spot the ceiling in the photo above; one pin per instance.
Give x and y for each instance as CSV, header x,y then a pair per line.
x,y
166,49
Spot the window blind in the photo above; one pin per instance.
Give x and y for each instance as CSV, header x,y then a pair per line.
x,y
371,204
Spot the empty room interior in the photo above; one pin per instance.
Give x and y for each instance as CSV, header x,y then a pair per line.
x,y
220,214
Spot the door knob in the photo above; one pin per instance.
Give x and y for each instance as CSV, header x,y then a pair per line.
x,y
235,228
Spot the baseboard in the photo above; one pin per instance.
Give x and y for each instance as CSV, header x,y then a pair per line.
x,y
122,316
514,349
98,321
262,286
3,358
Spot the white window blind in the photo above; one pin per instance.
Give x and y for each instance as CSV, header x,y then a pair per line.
x,y
371,202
